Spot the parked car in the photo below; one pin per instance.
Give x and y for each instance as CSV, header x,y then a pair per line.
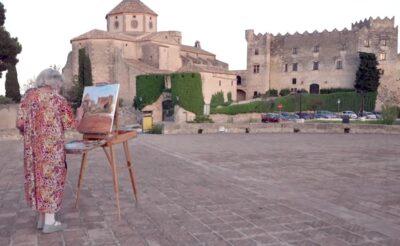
x,y
350,114
289,117
325,114
378,115
369,115
271,118
306,116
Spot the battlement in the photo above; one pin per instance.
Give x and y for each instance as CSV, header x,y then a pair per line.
x,y
367,23
373,22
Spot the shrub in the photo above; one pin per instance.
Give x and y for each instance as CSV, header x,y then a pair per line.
x,y
272,93
188,88
389,114
148,89
5,100
157,129
229,95
217,99
284,92
202,119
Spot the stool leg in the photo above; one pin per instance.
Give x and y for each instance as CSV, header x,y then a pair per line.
x,y
81,173
131,169
115,179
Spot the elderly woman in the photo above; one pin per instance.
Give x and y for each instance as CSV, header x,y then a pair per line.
x,y
43,117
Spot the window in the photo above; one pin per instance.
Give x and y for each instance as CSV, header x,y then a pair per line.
x,y
339,64
316,49
382,56
367,43
286,67
256,52
295,51
294,67
134,24
150,25
255,95
220,83
383,42
256,68
239,80
116,25
294,81
316,65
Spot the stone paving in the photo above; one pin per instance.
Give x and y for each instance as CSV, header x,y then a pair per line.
x,y
267,189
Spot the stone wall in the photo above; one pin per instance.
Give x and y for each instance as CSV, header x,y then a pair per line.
x,y
240,118
8,116
280,128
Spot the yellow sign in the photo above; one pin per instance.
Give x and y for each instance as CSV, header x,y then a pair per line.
x,y
147,122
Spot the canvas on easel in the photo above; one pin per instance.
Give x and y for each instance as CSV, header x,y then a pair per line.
x,y
99,104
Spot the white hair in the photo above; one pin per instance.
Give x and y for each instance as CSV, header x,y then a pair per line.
x,y
49,77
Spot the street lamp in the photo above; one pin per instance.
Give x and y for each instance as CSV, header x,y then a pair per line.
x,y
338,105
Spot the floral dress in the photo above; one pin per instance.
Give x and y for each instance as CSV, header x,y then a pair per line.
x,y
45,115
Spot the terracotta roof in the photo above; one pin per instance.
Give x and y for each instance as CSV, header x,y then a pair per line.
x,y
99,34
144,67
191,68
133,7
195,50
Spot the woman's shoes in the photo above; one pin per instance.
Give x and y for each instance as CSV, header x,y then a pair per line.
x,y
57,226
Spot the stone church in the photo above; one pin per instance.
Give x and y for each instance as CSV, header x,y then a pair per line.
x,y
132,45
312,61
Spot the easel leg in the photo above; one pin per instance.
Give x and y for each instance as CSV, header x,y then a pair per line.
x,y
115,179
83,167
131,169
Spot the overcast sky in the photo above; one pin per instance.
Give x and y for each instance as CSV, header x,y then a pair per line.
x,y
45,27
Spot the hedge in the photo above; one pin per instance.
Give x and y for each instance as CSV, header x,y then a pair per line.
x,y
349,101
148,88
188,88
336,90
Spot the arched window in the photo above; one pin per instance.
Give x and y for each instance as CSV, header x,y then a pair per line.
x,y
239,80
314,89
256,52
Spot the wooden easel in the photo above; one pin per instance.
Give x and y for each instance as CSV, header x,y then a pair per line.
x,y
116,137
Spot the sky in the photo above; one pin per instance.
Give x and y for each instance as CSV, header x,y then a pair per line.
x,y
45,27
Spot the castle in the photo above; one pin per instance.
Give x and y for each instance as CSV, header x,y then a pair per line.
x,y
132,45
313,61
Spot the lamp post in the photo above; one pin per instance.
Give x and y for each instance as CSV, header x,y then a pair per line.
x,y
300,94
338,105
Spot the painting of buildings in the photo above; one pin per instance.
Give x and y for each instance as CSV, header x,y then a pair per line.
x,y
99,104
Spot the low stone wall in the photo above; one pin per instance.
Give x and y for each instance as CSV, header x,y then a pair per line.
x,y
240,118
8,116
279,128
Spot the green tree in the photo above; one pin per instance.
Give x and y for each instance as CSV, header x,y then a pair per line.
x,y
9,47
12,85
368,74
82,80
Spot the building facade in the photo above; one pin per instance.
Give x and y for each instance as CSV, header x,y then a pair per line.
x,y
313,61
132,45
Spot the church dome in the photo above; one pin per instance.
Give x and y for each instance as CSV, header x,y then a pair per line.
x,y
131,7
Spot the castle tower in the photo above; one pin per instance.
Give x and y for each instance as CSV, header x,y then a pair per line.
x,y
132,17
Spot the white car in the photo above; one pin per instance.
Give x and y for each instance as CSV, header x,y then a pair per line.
x,y
350,114
369,115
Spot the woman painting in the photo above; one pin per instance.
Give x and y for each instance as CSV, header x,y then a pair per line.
x,y
43,117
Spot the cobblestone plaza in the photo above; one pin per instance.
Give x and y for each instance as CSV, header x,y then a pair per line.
x,y
265,189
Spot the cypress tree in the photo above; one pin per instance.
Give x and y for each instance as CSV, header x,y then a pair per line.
x,y
368,74
83,79
12,85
